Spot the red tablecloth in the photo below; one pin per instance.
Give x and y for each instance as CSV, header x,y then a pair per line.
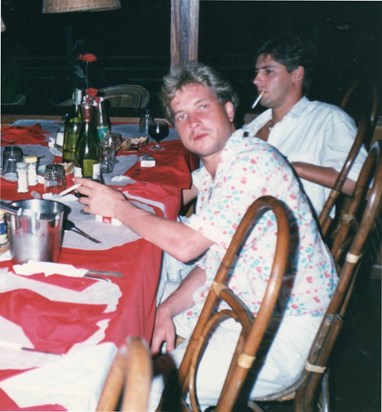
x,y
138,261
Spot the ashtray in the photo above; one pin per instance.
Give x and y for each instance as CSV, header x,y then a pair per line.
x,y
134,143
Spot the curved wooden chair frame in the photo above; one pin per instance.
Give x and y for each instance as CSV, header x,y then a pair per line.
x,y
365,94
351,234
252,329
129,378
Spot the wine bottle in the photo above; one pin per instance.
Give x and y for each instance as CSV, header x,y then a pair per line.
x,y
72,127
87,154
102,119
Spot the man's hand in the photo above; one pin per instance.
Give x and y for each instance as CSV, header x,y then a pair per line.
x,y
100,199
164,330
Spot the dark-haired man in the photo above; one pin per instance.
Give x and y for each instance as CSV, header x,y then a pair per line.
x,y
315,137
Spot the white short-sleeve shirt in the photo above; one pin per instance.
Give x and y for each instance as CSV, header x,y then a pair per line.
x,y
313,132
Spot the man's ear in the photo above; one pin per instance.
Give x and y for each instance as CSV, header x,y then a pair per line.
x,y
298,74
230,110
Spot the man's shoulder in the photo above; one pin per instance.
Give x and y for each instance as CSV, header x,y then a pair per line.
x,y
317,107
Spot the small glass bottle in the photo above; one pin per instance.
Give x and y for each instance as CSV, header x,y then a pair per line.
x,y
31,162
3,229
102,119
59,140
72,127
22,177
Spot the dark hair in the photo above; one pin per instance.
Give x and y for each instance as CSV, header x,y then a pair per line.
x,y
292,51
195,73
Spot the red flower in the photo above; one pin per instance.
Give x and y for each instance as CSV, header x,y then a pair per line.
x,y
88,57
91,92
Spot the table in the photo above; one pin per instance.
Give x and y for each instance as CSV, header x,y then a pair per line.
x,y
138,260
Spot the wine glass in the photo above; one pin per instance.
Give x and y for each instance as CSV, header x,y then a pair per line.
x,y
158,130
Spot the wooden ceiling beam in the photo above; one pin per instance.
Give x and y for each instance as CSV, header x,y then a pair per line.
x,y
184,31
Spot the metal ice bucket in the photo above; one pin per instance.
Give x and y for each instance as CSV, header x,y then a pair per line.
x,y
35,230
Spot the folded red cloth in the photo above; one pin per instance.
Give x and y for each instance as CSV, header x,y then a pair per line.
x,y
51,326
23,135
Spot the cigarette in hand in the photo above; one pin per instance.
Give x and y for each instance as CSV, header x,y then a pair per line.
x,y
69,189
257,100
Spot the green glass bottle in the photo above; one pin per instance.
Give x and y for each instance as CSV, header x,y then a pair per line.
x,y
73,127
102,119
87,155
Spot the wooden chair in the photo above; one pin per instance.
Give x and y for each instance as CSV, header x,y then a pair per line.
x,y
348,247
361,102
252,329
129,378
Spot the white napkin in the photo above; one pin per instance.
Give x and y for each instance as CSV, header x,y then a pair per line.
x,y
49,268
63,382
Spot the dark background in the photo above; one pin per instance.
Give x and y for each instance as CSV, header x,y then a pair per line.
x,y
133,44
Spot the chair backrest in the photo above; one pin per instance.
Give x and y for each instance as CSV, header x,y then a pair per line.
x,y
361,102
132,96
252,329
129,377
127,95
347,247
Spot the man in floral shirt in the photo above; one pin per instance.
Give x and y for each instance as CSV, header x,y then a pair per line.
x,y
237,169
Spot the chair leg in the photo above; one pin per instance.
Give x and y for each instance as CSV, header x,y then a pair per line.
x,y
324,400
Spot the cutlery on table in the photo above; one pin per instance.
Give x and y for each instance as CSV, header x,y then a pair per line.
x,y
69,225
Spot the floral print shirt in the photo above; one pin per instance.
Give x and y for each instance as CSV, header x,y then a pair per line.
x,y
250,168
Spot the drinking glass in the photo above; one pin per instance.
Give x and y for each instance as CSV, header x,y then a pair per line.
x,y
158,130
108,148
54,178
11,156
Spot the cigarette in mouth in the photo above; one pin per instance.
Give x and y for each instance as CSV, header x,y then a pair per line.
x,y
257,100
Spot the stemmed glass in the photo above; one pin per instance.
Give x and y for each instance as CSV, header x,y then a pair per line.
x,y
158,130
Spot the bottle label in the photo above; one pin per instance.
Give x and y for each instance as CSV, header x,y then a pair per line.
x,y
77,171
101,130
59,139
91,169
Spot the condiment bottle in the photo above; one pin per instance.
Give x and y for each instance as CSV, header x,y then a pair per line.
x,y
87,155
31,162
22,177
72,127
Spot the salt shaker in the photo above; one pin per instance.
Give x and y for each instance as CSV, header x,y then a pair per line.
x,y
22,177
31,162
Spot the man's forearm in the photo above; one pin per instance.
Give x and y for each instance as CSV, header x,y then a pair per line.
x,y
324,176
182,298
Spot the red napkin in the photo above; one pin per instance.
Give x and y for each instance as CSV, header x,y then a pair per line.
x,y
51,326
23,135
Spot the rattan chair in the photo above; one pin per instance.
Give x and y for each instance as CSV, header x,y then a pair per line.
x,y
361,102
347,247
129,379
252,329
132,96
